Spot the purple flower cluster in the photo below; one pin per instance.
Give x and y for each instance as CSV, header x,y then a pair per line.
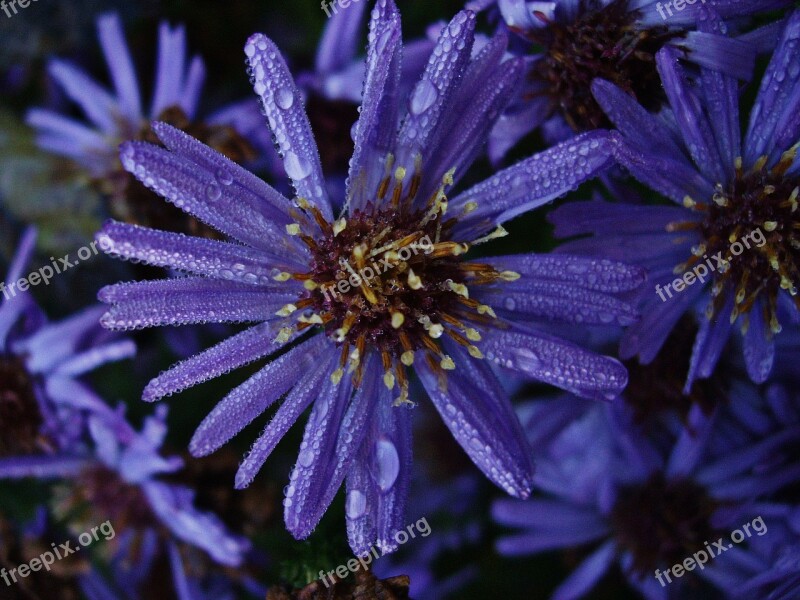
x,y
666,432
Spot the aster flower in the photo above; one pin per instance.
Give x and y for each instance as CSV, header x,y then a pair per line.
x,y
598,473
43,399
736,221
575,41
118,115
349,352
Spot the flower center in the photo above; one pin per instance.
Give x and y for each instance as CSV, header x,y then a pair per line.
x,y
603,42
20,418
388,279
132,202
754,227
676,523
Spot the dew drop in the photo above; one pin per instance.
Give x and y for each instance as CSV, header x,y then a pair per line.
x,y
213,192
423,97
355,505
224,176
306,458
386,465
510,303
284,98
296,167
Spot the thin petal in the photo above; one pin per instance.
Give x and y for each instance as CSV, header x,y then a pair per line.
x,y
120,65
280,99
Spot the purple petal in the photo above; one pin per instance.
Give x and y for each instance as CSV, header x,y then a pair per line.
x,y
535,181
41,467
281,100
188,300
479,414
237,350
120,65
759,346
95,102
709,343
246,402
557,362
169,70
340,40
311,386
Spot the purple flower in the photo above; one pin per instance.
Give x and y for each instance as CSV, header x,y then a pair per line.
x,y
612,492
43,402
342,341
576,41
730,246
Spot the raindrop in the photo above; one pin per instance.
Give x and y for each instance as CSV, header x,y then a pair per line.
x,y
224,176
355,505
213,192
296,167
423,97
284,98
386,465
306,458
510,303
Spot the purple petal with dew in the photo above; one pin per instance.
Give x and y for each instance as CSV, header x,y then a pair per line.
x,y
247,188
692,122
315,471
199,256
672,178
479,414
174,506
302,395
557,362
759,346
554,301
721,100
236,351
188,300
463,133
534,181
634,122
709,343
231,210
777,95
431,95
510,128
281,101
341,40
249,400
718,52
376,128
120,65
595,274
95,102
377,482
41,467
587,574
95,357
169,68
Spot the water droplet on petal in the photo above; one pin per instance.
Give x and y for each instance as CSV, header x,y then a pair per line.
x,y
213,192
296,167
284,98
423,97
355,505
306,458
224,176
386,466
510,303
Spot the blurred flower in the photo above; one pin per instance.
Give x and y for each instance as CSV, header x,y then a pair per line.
x,y
576,41
610,489
428,309
728,191
119,115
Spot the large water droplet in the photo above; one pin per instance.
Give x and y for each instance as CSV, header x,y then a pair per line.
x,y
284,98
386,465
423,97
510,303
355,505
296,167
224,176
526,360
306,458
213,192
